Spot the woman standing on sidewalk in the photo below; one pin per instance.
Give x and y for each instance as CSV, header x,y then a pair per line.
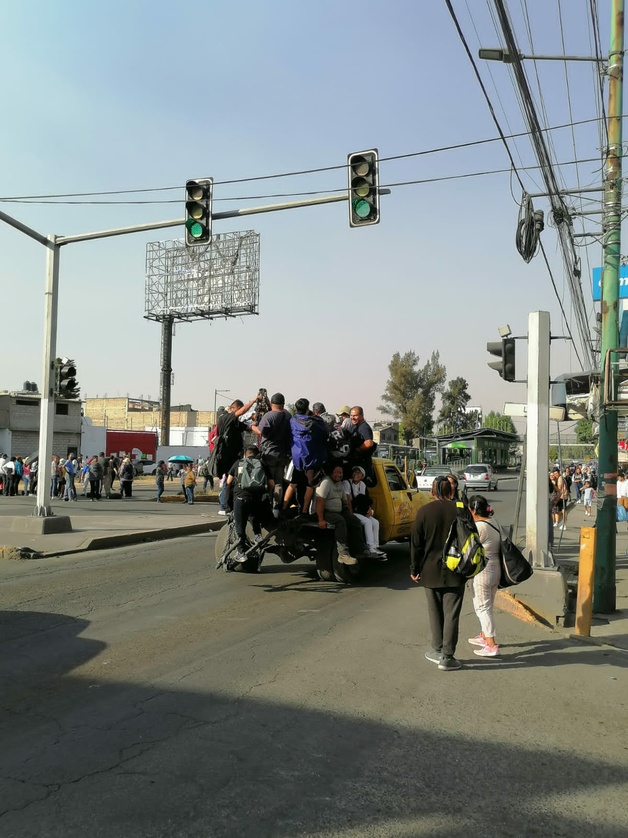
x,y
126,478
484,586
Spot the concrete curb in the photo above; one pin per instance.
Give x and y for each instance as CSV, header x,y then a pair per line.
x,y
508,603
597,641
104,542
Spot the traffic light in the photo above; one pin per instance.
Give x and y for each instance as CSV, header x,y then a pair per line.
x,y
505,350
198,211
66,385
363,168
508,357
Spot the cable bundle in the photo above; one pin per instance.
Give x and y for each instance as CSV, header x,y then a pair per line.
x,y
529,227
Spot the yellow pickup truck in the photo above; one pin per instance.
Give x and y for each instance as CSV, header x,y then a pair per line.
x,y
395,506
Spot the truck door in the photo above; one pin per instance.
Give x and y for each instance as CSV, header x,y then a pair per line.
x,y
402,505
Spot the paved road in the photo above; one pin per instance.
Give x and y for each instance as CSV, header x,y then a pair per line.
x,y
145,694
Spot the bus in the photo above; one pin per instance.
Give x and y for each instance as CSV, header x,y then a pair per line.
x,y
409,460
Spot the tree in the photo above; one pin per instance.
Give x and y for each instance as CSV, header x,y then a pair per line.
x,y
411,391
584,432
499,422
453,416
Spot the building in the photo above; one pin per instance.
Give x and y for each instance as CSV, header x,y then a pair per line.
x,y
20,417
128,414
386,432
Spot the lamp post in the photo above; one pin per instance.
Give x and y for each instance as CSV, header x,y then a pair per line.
x,y
217,393
503,55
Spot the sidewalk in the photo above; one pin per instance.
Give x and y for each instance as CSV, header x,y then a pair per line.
x,y
108,523
611,629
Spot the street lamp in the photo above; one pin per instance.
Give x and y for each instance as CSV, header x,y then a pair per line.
x,y
217,393
504,55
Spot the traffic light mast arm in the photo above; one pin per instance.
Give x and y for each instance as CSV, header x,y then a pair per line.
x,y
179,222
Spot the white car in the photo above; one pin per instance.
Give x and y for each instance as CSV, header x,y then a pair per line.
x,y
426,478
480,476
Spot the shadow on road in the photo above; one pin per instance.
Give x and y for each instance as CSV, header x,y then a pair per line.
x,y
87,756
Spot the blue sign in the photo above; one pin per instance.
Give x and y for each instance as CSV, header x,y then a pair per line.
x,y
597,283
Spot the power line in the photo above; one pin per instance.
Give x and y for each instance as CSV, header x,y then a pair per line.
x,y
424,152
387,185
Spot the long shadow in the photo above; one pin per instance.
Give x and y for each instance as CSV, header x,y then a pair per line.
x,y
123,760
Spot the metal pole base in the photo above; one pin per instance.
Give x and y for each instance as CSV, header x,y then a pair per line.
x,y
44,511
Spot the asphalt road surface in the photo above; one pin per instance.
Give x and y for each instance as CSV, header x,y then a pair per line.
x,y
145,694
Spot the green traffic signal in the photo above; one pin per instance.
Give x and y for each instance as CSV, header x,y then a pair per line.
x,y
363,170
198,211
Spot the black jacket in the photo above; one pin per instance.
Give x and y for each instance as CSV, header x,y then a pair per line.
x,y
429,534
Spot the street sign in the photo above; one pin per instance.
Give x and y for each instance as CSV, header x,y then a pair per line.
x,y
556,414
597,283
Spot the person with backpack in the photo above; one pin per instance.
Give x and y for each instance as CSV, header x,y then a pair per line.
x,y
484,586
444,588
249,486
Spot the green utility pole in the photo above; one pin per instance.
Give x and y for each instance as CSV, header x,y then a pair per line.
x,y
604,595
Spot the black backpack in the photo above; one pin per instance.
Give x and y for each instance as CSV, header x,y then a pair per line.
x,y
463,552
515,567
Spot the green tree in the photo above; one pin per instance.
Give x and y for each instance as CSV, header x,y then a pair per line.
x,y
452,415
584,432
411,391
499,422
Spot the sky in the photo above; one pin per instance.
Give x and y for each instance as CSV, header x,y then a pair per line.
x,y
138,95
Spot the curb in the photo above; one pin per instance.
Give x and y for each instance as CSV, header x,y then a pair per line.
x,y
508,603
597,641
105,542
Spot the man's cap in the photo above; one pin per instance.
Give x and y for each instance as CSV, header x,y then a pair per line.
x,y
344,409
277,398
318,407
360,469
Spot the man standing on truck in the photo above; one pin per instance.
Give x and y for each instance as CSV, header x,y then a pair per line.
x,y
362,444
332,508
275,437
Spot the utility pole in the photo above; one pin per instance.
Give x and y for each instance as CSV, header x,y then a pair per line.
x,y
604,595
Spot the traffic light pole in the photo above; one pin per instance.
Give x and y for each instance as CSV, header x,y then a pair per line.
x,y
604,594
537,440
54,243
167,325
46,430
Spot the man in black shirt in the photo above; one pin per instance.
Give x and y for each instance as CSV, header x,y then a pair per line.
x,y
228,448
362,444
248,503
275,446
444,589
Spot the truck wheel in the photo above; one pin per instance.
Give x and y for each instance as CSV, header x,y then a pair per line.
x,y
324,559
347,574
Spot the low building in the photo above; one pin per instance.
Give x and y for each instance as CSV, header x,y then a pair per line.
x,y
20,419
129,414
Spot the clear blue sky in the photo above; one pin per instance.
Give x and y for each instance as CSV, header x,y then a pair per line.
x,y
147,94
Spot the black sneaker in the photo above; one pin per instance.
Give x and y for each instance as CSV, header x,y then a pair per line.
x,y
448,663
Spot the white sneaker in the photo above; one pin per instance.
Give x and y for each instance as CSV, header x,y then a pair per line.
x,y
221,512
562,527
555,524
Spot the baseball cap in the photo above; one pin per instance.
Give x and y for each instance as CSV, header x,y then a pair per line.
x,y
344,409
277,398
318,407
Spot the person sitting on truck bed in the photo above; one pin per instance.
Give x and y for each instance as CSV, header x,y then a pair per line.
x,y
361,506
332,508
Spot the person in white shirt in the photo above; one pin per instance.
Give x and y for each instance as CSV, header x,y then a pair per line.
x,y
360,504
622,490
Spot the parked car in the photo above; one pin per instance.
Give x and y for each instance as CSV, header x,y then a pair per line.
x,y
480,476
144,467
426,478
